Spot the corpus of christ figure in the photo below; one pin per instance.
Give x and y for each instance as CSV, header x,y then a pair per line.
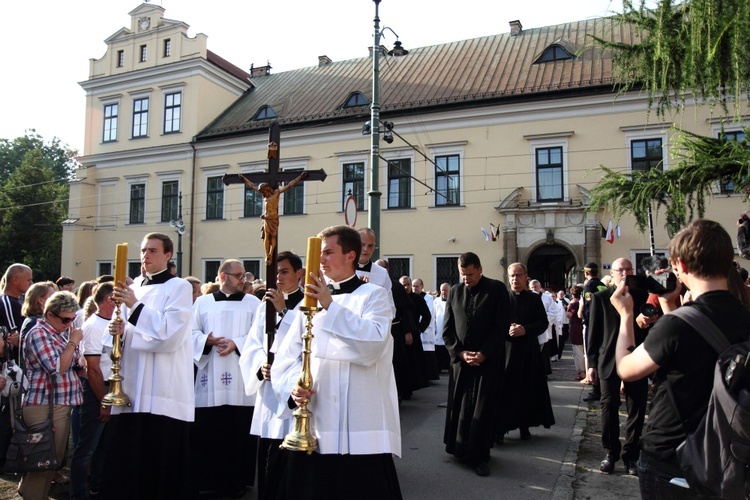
x,y
270,228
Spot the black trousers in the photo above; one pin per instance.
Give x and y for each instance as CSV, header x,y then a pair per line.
x,y
635,399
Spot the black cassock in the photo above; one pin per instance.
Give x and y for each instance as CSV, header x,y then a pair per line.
x,y
476,319
523,398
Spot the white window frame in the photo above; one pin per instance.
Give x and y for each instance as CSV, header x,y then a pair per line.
x,y
644,134
294,165
397,154
552,142
447,150
138,179
215,171
358,158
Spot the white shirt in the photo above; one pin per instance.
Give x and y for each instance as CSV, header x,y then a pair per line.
x,y
219,380
428,336
439,305
95,331
355,408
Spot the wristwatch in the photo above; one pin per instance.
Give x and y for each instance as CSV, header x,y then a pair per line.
x,y
283,312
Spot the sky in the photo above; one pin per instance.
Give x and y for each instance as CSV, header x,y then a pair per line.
x,y
49,42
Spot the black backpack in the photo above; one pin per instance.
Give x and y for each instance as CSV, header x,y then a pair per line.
x,y
715,457
743,238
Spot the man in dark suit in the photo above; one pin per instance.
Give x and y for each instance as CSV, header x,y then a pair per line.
x,y
475,325
603,328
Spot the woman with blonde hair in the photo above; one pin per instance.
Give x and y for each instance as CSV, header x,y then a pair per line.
x,y
51,353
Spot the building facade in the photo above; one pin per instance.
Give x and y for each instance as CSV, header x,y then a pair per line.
x,y
493,138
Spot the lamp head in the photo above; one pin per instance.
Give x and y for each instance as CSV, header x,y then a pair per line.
x,y
398,50
366,128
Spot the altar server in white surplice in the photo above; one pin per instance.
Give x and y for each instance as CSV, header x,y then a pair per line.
x,y
223,412
353,398
256,368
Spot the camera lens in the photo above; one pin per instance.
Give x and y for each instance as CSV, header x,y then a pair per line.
x,y
648,310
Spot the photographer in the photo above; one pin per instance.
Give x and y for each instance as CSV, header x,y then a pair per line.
x,y
652,310
701,256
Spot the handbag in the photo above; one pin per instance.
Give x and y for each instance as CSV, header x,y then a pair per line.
x,y
16,382
32,448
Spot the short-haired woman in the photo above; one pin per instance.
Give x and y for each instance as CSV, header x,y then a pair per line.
x,y
50,349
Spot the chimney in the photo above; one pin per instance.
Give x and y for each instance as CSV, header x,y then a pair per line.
x,y
515,28
324,61
260,71
382,50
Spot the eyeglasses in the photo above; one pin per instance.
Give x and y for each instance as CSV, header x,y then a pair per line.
x,y
238,276
623,270
517,275
65,321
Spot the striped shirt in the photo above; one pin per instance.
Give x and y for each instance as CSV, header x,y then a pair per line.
x,y
42,348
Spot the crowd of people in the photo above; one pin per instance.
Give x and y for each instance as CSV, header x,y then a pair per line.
x,y
212,370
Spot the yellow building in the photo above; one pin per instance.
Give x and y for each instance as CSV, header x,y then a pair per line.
x,y
502,131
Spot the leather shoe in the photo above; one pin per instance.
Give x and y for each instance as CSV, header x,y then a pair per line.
x,y
525,434
608,465
592,396
630,466
482,469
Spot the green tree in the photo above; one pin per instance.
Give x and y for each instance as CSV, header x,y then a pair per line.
x,y
57,156
693,48
33,203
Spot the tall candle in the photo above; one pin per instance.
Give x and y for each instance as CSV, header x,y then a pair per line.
x,y
312,265
121,262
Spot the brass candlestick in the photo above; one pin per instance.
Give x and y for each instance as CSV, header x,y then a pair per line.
x,y
115,397
301,438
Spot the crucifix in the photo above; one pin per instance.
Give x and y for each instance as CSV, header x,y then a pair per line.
x,y
267,185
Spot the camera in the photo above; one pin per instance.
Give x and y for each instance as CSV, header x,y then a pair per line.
x,y
653,283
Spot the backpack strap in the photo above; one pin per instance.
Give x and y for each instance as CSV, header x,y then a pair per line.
x,y
707,329
704,326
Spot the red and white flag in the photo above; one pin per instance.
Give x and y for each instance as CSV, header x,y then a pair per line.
x,y
610,232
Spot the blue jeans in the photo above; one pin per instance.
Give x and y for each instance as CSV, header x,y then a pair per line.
x,y
654,477
89,432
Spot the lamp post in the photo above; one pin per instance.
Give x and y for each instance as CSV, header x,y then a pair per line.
x,y
373,214
180,225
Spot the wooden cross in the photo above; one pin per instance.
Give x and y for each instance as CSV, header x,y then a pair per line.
x,y
267,184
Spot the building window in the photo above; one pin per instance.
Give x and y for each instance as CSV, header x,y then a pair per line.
x,y
137,203
265,113
210,270
446,271
447,181
103,268
172,112
554,53
215,198
354,183
140,117
134,269
399,183
110,122
143,53
253,203
399,266
645,154
252,266
549,174
725,185
356,99
167,47
120,58
169,200
294,198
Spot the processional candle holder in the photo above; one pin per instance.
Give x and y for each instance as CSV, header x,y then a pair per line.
x,y
301,437
115,397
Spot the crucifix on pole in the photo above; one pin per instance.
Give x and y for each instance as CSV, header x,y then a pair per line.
x,y
267,185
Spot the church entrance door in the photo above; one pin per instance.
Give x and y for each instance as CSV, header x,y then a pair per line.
x,y
554,266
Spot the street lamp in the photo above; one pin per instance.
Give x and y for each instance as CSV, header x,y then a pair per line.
x,y
373,215
180,225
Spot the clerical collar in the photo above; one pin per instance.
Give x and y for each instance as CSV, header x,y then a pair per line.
x,y
237,296
157,278
365,267
346,286
287,295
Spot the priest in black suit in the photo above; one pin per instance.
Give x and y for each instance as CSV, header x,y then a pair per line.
x,y
523,399
474,329
603,328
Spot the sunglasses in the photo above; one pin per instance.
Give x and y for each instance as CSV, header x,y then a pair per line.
x,y
65,321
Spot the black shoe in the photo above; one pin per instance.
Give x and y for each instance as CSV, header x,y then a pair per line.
x,y
525,434
482,469
500,439
630,466
608,465
593,396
